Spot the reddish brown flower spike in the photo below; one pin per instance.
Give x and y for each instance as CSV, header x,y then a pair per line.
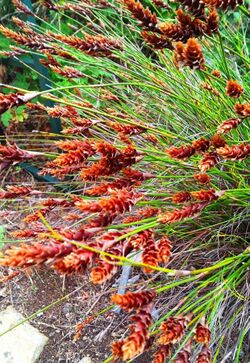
x,y
181,197
26,255
204,356
16,191
179,214
212,23
178,57
202,334
202,178
235,152
164,248
157,41
137,341
150,255
97,45
175,32
184,355
182,152
216,73
162,353
234,89
172,330
201,144
140,239
148,212
209,160
12,153
224,4
134,300
242,109
119,202
228,125
144,15
103,272
205,195
218,141
11,100
196,8
21,7
193,55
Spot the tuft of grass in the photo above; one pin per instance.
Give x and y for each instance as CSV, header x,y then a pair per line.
x,y
161,109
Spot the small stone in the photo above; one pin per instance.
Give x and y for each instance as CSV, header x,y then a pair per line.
x,y
3,292
85,360
22,344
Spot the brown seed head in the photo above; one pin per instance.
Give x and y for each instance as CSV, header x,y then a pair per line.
x,y
234,89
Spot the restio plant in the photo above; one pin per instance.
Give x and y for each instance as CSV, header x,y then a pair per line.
x,y
154,103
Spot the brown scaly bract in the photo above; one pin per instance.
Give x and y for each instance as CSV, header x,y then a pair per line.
x,y
136,175
74,262
134,300
234,89
111,162
132,178
172,330
228,125
77,152
126,129
79,130
235,152
144,15
103,271
62,111
148,212
105,188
